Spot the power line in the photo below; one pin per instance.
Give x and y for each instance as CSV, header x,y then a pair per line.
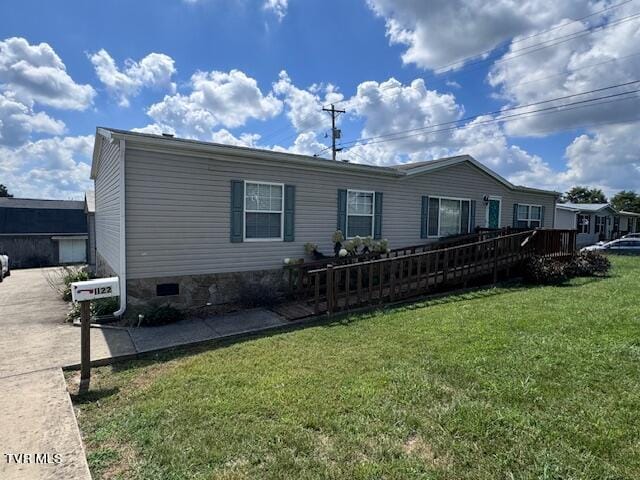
x,y
535,80
542,45
495,112
582,103
574,127
537,34
335,133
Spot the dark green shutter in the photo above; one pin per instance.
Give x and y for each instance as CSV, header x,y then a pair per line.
x,y
289,212
237,211
472,214
515,215
342,212
542,217
377,216
424,217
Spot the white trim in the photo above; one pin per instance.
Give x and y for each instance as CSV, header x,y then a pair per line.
x,y
529,219
123,242
245,211
440,213
72,237
372,214
499,199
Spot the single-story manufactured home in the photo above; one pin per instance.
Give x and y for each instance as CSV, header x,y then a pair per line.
x,y
40,233
629,222
596,221
190,222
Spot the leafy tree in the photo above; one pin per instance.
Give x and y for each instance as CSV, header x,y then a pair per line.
x,y
581,194
626,200
4,192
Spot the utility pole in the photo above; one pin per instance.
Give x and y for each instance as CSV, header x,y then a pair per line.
x,y
335,132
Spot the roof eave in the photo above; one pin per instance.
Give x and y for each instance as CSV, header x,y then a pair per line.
x,y
173,144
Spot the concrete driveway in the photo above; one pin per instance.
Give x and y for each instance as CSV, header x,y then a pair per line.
x,y
39,435
33,333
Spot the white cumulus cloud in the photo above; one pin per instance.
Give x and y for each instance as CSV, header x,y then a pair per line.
x,y
304,107
35,73
216,99
55,167
18,121
153,71
440,32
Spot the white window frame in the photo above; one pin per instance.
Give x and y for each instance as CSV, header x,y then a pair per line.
x,y
440,214
582,225
245,211
499,199
372,214
529,219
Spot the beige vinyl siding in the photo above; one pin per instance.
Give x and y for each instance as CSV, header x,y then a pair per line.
x,y
178,210
107,217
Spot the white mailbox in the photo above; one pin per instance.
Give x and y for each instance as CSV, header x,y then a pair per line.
x,y
94,289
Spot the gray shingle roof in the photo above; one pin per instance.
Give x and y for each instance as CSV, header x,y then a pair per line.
x,y
30,216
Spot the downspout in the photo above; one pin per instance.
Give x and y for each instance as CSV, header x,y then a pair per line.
x,y
123,243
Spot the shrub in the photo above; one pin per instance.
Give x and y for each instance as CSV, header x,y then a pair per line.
x,y
589,264
545,271
61,279
161,315
105,306
100,307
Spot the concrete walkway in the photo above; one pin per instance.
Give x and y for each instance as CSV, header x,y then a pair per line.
x,y
36,415
37,418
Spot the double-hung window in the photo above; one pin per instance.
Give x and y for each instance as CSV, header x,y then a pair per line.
x,y
599,226
448,216
582,223
263,211
360,213
529,216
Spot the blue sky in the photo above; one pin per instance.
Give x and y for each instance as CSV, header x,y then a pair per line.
x,y
343,50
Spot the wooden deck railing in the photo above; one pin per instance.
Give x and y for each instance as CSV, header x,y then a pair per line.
x,y
385,280
301,283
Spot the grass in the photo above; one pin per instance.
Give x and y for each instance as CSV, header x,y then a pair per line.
x,y
513,383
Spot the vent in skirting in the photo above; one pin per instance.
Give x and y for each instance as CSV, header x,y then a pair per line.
x,y
167,289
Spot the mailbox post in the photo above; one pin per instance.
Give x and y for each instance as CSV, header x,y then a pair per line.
x,y
84,292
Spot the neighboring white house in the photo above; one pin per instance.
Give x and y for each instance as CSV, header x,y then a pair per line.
x,y
629,222
596,221
566,216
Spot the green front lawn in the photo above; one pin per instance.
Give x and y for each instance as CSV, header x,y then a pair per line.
x,y
521,383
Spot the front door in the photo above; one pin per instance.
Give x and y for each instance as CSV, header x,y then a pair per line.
x,y
493,213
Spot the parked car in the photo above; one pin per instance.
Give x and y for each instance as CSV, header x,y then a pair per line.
x,y
622,245
4,266
631,235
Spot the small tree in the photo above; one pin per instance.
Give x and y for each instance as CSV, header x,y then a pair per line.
x,y
4,192
626,200
580,194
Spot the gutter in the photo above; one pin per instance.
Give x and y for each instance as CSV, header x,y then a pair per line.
x,y
123,244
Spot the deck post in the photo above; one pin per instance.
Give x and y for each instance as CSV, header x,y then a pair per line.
x,y
330,297
495,260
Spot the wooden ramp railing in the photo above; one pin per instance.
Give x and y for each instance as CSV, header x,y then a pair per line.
x,y
368,283
301,282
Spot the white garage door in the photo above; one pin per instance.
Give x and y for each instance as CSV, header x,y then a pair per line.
x,y
73,251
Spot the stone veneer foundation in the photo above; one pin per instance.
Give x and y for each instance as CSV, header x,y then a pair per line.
x,y
200,290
